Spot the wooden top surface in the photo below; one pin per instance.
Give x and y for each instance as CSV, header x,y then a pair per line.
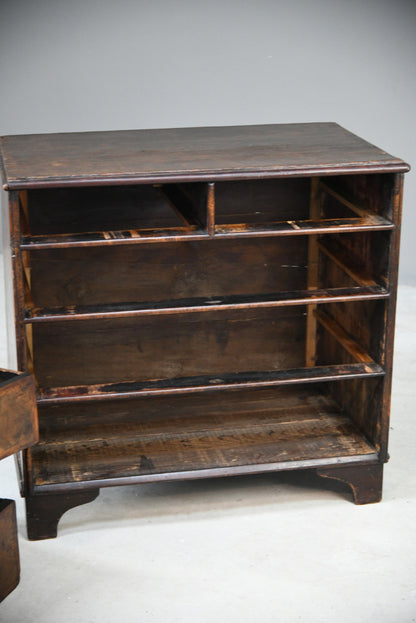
x,y
188,154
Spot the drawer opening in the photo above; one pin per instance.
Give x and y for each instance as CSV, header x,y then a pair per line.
x,y
205,351
294,206
76,283
168,437
66,216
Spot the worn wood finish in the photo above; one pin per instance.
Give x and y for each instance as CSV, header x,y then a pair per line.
x,y
194,305
203,302
18,430
134,454
267,428
75,210
361,400
9,549
55,420
173,271
44,512
191,233
277,200
313,275
126,349
188,153
18,414
372,258
370,193
197,384
365,481
387,337
211,208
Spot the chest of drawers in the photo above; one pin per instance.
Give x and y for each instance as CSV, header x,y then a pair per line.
x,y
202,302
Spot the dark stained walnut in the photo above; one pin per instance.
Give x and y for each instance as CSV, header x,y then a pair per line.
x,y
202,302
9,549
18,413
18,430
188,154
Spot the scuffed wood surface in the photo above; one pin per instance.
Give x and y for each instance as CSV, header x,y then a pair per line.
x,y
287,426
18,414
9,549
188,153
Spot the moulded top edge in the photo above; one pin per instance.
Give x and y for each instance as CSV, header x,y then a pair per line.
x,y
188,154
158,178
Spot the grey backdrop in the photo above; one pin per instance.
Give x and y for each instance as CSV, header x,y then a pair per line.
x,y
72,65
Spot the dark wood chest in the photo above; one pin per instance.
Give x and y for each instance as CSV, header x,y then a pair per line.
x,y
202,302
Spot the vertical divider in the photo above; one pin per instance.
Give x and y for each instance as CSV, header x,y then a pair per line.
x,y
25,231
29,342
211,209
313,275
25,215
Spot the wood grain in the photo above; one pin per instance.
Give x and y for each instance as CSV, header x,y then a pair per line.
x,y
294,425
207,384
188,153
196,305
18,414
202,302
172,271
9,549
166,347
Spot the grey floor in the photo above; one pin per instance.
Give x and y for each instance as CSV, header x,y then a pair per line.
x,y
261,549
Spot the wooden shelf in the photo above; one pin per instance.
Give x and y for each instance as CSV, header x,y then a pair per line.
x,y
305,227
285,228
184,385
298,428
93,239
195,305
